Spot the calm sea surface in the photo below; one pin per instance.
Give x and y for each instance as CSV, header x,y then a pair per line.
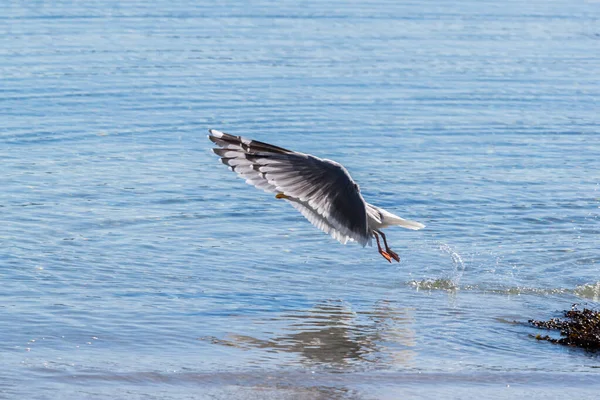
x,y
133,265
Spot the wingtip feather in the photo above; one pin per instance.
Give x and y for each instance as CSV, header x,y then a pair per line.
x,y
215,133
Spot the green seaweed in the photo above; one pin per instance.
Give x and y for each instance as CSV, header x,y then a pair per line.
x,y
578,327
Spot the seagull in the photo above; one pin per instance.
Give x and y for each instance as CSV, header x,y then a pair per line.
x,y
322,190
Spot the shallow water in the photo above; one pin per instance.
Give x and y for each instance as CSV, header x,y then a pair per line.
x,y
134,265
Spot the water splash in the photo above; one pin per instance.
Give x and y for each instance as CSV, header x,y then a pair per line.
x,y
459,264
450,283
589,291
435,284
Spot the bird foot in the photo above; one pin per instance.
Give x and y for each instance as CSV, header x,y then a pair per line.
x,y
281,196
394,255
386,256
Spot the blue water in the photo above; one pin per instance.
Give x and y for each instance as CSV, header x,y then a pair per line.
x,y
134,265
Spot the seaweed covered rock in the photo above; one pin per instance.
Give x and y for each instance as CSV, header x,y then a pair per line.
x,y
579,328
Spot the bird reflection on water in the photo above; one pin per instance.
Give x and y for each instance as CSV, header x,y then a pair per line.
x,y
332,334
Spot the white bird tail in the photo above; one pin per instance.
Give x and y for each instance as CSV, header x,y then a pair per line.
x,y
386,218
415,226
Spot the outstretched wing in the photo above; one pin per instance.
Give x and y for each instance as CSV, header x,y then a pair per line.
x,y
322,190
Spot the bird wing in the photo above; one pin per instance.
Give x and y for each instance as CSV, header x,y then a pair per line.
x,y
322,190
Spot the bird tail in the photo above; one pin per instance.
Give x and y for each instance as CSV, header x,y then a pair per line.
x,y
395,220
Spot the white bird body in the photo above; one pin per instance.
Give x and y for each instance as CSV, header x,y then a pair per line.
x,y
322,190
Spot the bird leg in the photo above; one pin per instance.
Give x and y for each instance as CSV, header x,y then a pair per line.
x,y
383,253
281,196
387,248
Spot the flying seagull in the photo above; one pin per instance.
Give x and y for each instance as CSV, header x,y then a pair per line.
x,y
322,190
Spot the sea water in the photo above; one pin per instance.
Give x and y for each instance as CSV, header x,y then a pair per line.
x,y
134,265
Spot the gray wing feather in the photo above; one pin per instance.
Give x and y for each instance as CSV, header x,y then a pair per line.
x,y
322,190
319,221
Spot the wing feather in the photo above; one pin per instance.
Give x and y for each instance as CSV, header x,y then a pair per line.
x,y
322,190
